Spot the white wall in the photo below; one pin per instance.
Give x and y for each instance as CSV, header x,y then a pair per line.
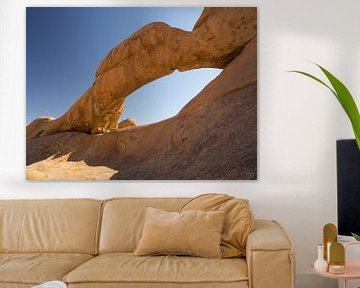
x,y
299,121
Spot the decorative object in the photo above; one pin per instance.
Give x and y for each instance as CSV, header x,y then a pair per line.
x,y
336,269
194,233
329,236
351,268
213,137
320,264
337,258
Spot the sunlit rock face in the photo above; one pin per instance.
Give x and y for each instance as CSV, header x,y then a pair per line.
x,y
212,137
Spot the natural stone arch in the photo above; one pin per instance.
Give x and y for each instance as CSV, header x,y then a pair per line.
x,y
156,50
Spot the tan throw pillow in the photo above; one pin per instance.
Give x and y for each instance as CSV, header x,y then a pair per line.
x,y
239,220
196,233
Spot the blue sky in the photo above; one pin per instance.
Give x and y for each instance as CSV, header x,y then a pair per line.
x,y
64,46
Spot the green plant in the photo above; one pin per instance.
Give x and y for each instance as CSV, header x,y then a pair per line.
x,y
356,236
344,97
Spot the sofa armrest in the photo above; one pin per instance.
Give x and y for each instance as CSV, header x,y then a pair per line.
x,y
269,255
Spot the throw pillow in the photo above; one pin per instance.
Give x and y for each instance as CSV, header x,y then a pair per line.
x,y
238,224
196,233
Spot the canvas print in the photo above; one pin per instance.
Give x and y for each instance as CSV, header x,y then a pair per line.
x,y
142,93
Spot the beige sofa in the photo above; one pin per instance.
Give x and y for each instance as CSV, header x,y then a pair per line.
x,y
89,243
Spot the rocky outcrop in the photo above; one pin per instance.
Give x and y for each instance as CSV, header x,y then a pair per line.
x,y
212,137
128,123
156,50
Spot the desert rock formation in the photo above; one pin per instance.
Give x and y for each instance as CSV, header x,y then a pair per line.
x,y
212,137
128,123
155,51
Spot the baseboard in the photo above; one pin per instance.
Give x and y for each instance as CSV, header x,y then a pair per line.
x,y
310,280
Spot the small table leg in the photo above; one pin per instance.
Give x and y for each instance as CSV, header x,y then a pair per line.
x,y
344,285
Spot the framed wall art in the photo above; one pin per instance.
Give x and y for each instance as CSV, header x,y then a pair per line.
x,y
153,93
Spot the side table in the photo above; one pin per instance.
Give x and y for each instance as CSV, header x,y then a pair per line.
x,y
352,269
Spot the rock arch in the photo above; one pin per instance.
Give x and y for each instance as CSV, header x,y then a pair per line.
x,y
156,50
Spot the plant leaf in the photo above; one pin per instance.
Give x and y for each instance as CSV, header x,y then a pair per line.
x,y
344,97
357,137
347,102
357,237
316,79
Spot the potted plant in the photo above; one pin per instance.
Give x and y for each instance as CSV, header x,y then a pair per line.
x,y
349,183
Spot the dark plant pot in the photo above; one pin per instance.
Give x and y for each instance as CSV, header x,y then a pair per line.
x,y
348,187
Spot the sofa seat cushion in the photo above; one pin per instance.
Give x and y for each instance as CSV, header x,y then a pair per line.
x,y
127,268
36,268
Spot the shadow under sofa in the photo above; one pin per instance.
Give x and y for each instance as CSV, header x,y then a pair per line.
x,y
90,243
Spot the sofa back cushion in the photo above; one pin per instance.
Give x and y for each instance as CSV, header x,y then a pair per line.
x,y
123,220
66,226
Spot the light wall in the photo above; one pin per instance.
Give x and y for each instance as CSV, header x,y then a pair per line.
x,y
299,121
